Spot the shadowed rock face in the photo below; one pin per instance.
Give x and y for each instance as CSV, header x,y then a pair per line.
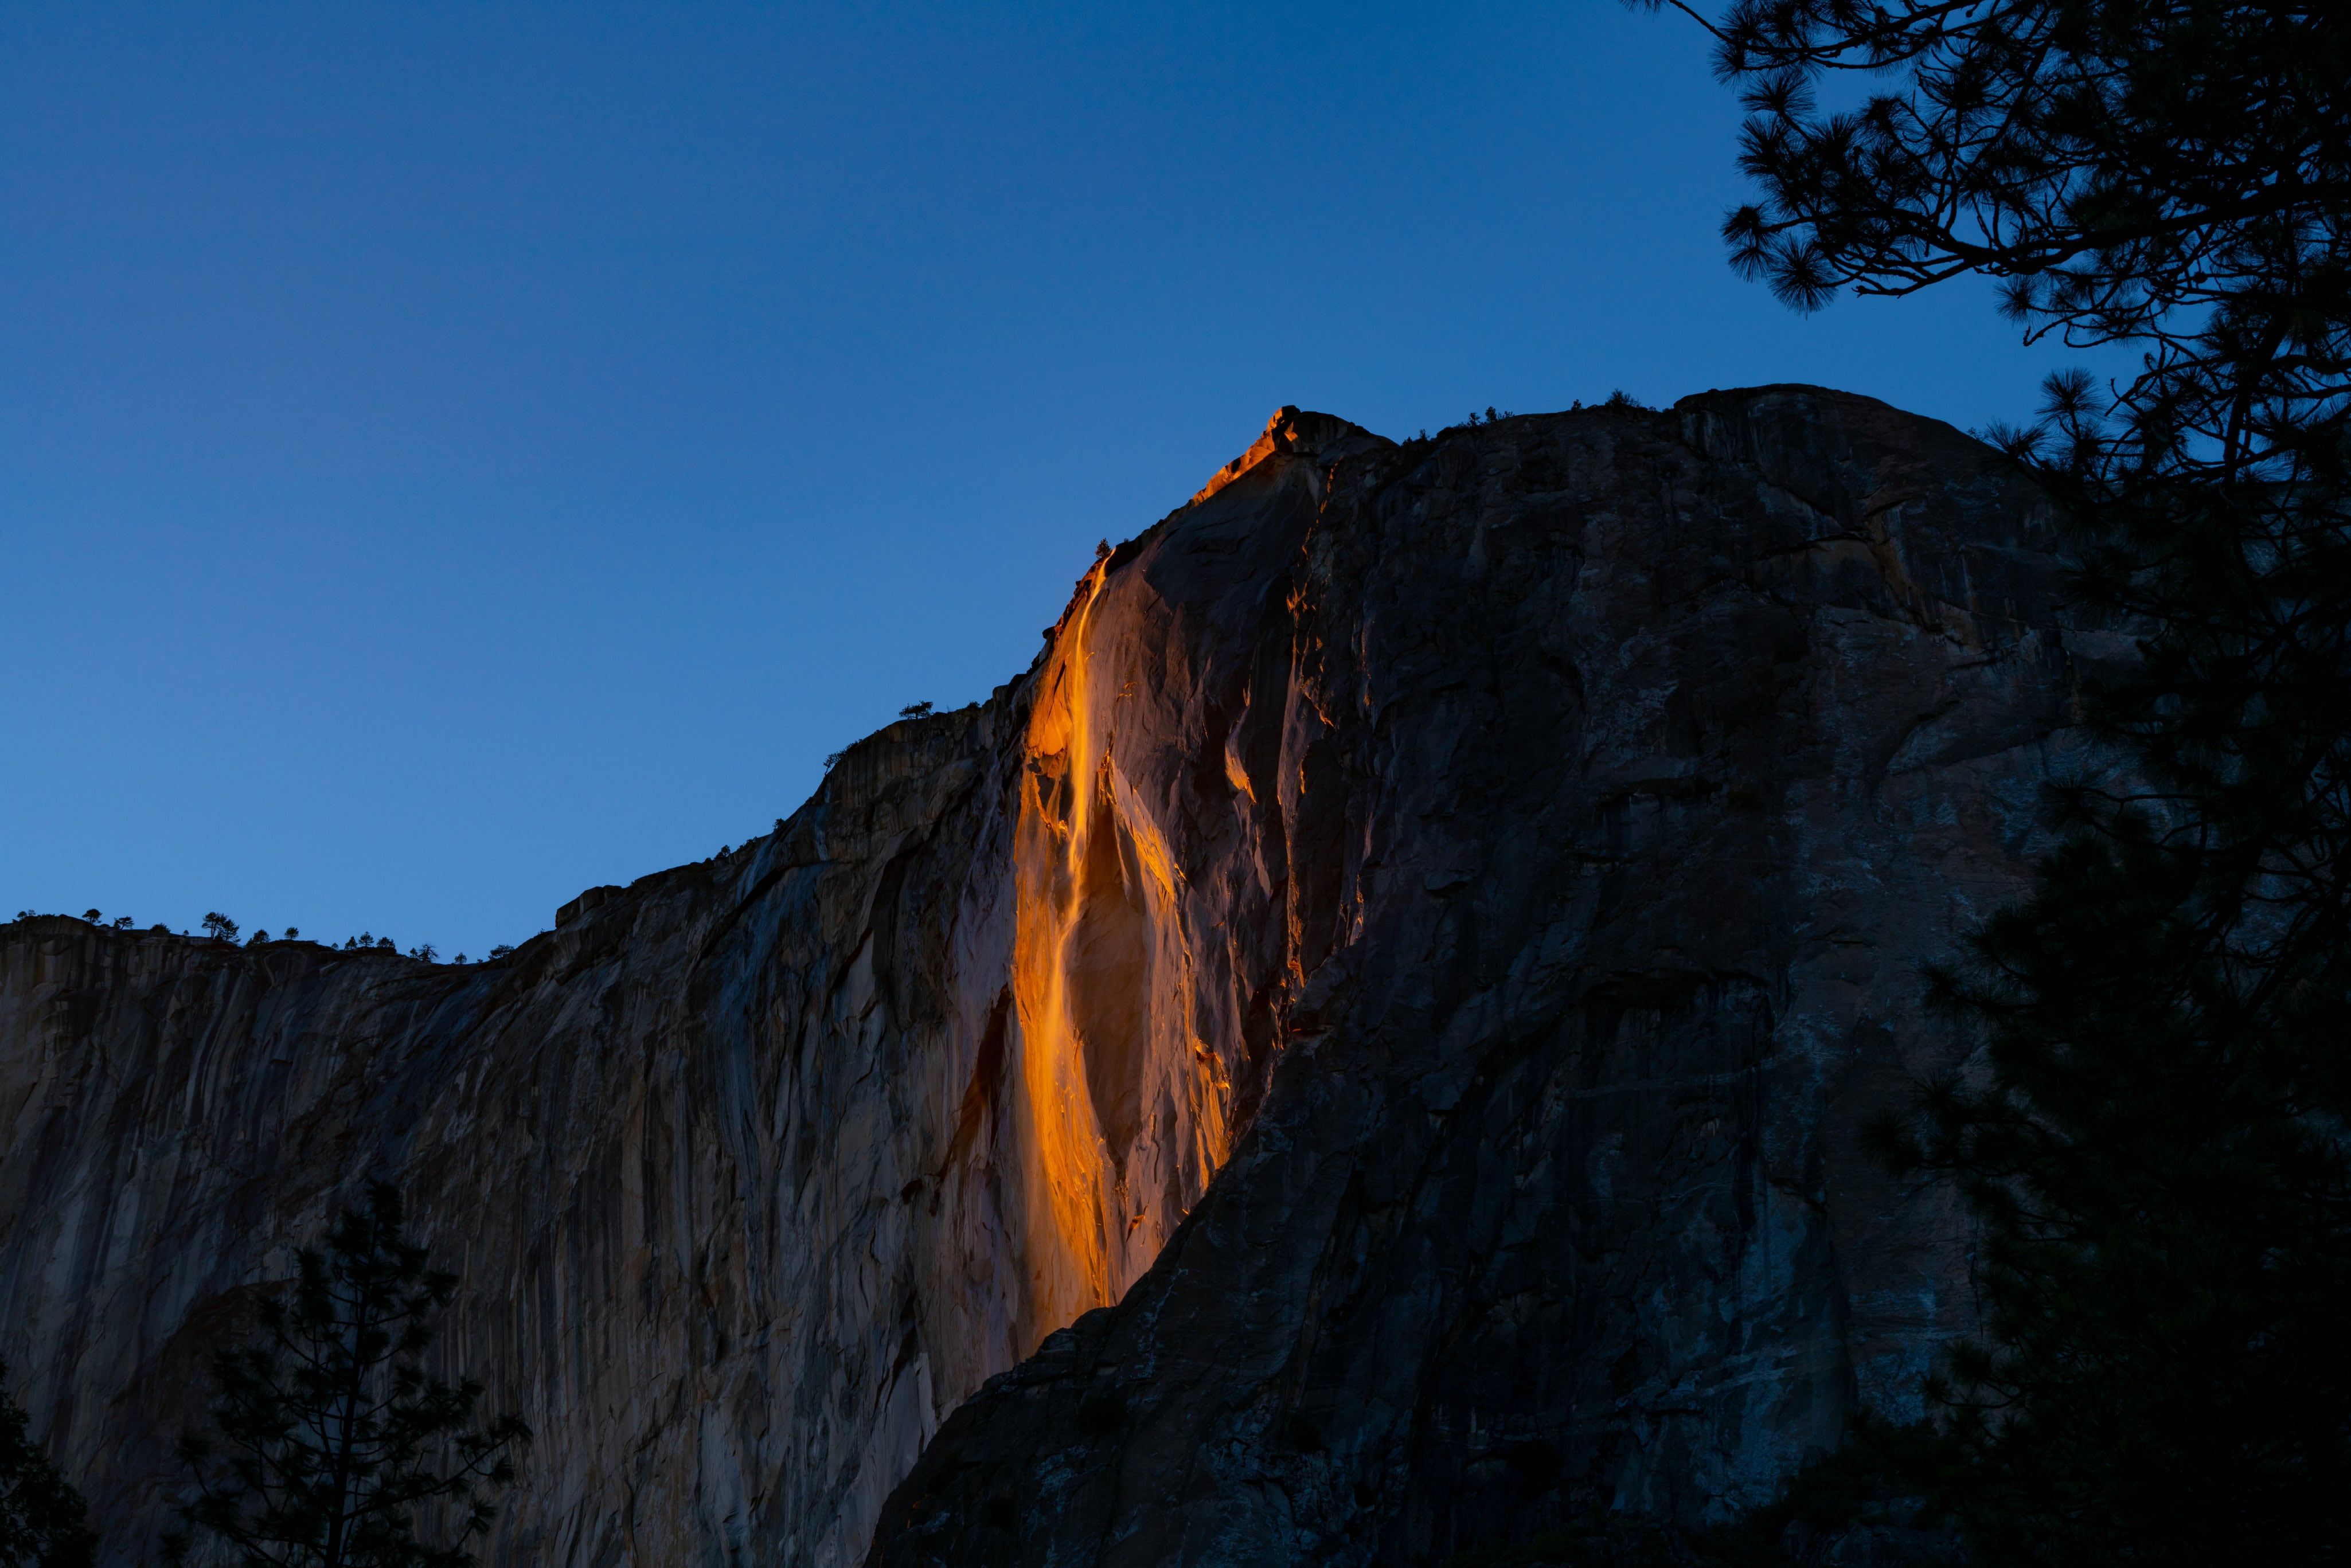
x,y
1502,864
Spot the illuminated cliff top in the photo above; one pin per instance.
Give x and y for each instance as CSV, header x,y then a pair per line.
x,y
1263,447
1292,429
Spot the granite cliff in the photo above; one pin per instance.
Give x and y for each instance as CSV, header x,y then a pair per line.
x,y
1355,1053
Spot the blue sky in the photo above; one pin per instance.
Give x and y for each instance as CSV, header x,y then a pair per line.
x,y
451,455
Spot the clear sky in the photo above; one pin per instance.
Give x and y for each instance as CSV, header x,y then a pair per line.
x,y
455,454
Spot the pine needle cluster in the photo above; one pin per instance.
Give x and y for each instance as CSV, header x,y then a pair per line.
x,y
41,1515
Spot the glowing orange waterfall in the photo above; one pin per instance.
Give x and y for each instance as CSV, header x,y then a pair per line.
x,y
1125,1109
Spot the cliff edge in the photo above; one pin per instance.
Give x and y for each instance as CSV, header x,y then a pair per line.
x,y
1356,1054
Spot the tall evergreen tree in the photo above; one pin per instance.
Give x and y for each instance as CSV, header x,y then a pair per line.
x,y
2157,1155
334,1450
40,1514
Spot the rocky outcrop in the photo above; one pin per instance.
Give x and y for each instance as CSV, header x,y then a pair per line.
x,y
1650,759
1420,941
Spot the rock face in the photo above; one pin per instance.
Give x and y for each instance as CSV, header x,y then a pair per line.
x,y
1420,941
1649,759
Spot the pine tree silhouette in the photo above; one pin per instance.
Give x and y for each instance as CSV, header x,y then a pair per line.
x,y
333,1448
40,1515
2157,1152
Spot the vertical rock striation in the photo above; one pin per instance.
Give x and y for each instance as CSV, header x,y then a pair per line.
x,y
1420,941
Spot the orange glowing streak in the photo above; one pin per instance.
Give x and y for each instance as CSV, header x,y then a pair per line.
x,y
1096,1215
1069,1267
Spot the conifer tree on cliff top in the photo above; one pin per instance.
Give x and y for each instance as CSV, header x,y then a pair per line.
x,y
333,1448
40,1515
2155,1154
